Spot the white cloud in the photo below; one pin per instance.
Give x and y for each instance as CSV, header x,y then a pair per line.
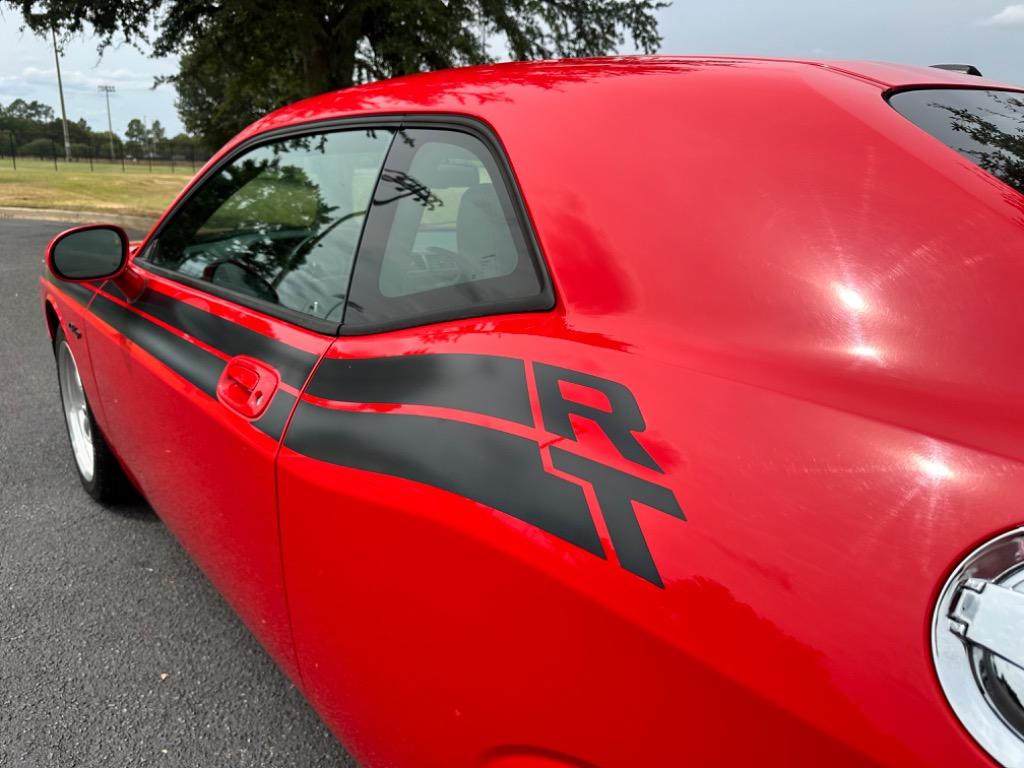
x,y
1011,14
77,80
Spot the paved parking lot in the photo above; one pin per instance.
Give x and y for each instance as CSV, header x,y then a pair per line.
x,y
114,649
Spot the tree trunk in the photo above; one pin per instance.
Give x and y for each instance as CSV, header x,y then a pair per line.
x,y
342,52
328,49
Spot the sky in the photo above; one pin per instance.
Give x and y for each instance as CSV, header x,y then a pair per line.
x,y
986,33
27,71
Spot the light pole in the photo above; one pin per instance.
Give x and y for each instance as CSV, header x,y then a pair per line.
x,y
60,87
107,90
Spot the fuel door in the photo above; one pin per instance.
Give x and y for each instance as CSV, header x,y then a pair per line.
x,y
978,646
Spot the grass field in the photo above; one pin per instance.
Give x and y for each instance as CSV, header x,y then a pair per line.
x,y
133,192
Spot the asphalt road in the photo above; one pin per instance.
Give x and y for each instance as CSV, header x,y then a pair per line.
x,y
114,649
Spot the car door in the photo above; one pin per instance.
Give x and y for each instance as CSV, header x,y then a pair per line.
x,y
244,285
431,527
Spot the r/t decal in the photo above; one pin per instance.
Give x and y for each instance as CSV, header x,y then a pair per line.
x,y
618,424
615,490
503,470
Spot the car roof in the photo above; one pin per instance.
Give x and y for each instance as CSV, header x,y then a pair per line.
x,y
475,90
707,210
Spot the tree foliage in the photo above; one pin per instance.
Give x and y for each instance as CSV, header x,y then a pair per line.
x,y
241,58
31,128
998,141
135,136
157,134
36,111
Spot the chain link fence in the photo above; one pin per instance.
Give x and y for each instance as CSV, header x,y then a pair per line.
x,y
99,154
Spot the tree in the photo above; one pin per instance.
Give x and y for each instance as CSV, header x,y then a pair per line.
x,y
311,46
157,134
33,125
183,147
37,112
135,137
41,148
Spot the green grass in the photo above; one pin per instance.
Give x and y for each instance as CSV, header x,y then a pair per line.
x,y
137,191
105,189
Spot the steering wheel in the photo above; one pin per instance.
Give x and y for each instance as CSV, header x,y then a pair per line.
x,y
306,244
245,278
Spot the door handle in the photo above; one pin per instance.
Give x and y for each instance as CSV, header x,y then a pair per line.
x,y
247,386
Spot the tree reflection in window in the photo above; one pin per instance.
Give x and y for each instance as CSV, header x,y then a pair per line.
x,y
999,132
281,222
985,126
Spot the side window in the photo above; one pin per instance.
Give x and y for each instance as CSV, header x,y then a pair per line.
x,y
443,239
281,222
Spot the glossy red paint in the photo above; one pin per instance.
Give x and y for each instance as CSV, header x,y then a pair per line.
x,y
225,513
815,306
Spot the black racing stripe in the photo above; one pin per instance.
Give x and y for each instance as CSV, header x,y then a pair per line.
x,y
486,384
196,365
292,364
273,420
494,468
77,291
114,290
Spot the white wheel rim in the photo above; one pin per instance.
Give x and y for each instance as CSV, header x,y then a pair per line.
x,y
76,411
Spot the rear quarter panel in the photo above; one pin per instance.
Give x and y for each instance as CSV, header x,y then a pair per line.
x,y
834,457
434,630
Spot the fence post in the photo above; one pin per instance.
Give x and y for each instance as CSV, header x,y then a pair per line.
x,y
90,155
192,146
122,157
53,151
14,151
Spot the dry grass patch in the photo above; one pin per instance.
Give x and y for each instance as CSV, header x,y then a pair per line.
x,y
134,192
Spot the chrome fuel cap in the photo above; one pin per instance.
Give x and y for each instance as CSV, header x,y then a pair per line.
x,y
978,646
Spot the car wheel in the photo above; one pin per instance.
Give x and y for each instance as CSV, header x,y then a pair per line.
x,y
98,469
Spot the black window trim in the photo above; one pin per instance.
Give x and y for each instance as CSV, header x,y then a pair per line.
x,y
890,92
543,301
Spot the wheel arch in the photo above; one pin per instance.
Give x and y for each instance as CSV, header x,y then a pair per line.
x,y
52,318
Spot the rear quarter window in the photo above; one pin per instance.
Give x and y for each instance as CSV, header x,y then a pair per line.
x,y
985,126
444,237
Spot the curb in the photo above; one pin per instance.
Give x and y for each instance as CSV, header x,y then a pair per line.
x,y
143,223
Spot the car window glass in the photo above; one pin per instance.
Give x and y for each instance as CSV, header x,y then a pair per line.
x,y
987,127
281,222
427,247
443,236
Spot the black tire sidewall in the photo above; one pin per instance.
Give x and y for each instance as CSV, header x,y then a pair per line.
x,y
108,483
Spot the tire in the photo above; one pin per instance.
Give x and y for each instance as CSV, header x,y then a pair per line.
x,y
97,467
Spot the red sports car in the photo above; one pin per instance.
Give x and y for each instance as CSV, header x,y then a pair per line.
x,y
622,412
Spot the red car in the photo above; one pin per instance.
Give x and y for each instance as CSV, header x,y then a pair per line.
x,y
622,412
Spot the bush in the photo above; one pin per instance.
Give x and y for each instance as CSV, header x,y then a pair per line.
x,y
38,148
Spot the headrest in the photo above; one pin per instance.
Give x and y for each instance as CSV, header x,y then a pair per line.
x,y
448,175
482,233
435,166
